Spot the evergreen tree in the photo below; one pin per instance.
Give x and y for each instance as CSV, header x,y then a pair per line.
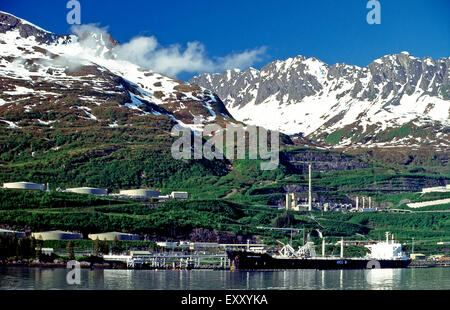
x,y
33,245
96,247
104,247
115,246
70,250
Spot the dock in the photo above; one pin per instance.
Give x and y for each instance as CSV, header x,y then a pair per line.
x,y
172,261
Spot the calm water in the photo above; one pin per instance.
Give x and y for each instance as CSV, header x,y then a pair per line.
x,y
397,279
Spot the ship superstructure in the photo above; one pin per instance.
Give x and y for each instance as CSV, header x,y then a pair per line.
x,y
387,254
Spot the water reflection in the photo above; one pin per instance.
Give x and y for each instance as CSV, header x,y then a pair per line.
x,y
383,279
374,279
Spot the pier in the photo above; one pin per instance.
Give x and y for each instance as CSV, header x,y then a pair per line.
x,y
172,261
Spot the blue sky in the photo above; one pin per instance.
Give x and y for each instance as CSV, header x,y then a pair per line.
x,y
332,31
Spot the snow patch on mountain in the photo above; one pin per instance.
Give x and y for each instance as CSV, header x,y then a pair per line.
x,y
306,96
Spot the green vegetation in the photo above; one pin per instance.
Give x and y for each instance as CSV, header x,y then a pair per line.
x,y
177,219
445,91
19,248
20,199
229,197
335,137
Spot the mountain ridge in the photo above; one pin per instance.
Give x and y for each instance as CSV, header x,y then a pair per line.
x,y
340,104
79,75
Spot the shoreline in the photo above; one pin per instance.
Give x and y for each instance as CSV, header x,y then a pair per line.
x,y
109,266
121,266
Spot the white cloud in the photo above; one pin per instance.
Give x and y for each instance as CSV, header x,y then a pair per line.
x,y
146,52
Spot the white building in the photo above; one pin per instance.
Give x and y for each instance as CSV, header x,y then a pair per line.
x,y
167,244
179,195
203,245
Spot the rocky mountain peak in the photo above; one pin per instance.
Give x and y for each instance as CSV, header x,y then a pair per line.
x,y
396,97
47,78
10,23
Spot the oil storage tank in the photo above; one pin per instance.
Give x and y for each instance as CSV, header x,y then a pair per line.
x,y
111,236
140,193
88,191
6,232
24,186
56,235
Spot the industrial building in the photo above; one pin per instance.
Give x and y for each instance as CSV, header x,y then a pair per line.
x,y
17,234
356,242
46,251
111,236
417,256
24,186
167,244
310,201
292,198
300,202
140,254
139,193
88,190
179,195
203,245
56,235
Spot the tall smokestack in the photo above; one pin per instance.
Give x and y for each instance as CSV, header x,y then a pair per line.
x,y
342,248
288,201
309,191
323,247
357,203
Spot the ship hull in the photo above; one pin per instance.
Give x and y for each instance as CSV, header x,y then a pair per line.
x,y
242,260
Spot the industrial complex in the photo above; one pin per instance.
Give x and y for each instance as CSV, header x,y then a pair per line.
x,y
139,194
310,202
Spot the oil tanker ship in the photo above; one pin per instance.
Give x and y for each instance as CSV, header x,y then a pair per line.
x,y
386,254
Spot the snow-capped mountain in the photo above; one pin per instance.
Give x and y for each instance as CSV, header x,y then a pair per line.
x,y
48,78
397,100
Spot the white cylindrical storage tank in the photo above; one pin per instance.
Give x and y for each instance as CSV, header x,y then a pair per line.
x,y
88,191
56,235
111,236
140,193
24,185
5,233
